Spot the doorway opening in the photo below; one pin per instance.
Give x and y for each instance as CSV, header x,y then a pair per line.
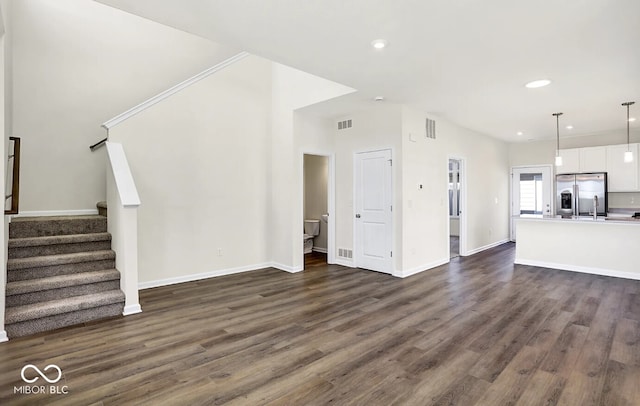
x,y
455,180
315,240
531,190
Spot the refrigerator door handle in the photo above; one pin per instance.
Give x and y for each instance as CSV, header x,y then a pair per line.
x,y
576,195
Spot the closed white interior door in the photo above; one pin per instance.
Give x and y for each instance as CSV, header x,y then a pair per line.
x,y
373,211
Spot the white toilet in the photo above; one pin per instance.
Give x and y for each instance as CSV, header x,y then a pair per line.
x,y
311,229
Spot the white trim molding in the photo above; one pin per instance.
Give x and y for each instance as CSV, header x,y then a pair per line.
x,y
421,268
3,336
47,213
131,309
169,92
203,275
286,268
576,268
486,247
344,262
320,250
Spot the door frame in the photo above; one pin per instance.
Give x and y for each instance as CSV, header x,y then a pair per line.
x,y
391,262
331,204
511,200
462,205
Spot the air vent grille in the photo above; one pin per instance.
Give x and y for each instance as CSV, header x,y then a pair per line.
x,y
345,253
343,125
431,129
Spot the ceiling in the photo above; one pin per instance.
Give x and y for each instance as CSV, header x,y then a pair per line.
x,y
464,60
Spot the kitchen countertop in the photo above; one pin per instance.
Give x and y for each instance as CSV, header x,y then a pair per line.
x,y
581,219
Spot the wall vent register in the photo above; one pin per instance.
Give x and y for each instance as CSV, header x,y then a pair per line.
x,y
343,125
345,253
430,126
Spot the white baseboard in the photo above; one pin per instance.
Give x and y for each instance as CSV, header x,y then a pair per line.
x,y
344,262
3,336
421,268
486,247
577,268
46,213
286,268
320,250
199,276
131,309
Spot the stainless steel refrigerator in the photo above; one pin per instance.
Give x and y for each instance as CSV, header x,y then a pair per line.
x,y
575,194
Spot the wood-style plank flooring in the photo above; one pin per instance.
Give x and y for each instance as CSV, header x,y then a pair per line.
x,y
478,331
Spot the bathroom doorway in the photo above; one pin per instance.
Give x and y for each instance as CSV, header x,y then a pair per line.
x,y
317,173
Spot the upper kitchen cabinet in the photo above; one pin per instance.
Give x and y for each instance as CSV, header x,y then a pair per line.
x,y
622,176
570,161
593,159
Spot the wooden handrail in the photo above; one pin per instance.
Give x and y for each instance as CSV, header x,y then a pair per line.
x,y
15,180
98,144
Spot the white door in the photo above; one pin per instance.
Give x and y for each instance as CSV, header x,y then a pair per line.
x,y
531,191
373,211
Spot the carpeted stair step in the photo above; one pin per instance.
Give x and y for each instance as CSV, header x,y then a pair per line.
x,y
44,316
62,244
61,264
25,292
23,227
102,208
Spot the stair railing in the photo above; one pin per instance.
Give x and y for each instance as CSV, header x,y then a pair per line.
x,y
13,173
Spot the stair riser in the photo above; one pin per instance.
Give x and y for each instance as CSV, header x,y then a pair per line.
x,y
63,320
61,293
24,229
54,249
54,270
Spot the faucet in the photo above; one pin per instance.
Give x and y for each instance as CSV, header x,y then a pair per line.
x,y
595,207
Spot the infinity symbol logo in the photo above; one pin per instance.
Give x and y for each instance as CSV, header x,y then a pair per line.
x,y
35,368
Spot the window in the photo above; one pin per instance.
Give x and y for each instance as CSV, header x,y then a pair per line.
x,y
530,193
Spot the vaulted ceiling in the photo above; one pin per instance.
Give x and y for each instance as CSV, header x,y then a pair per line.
x,y
465,60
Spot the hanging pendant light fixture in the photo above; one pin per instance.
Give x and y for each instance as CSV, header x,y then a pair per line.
x,y
558,157
628,155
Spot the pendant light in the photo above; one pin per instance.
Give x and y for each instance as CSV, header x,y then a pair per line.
x,y
558,157
628,155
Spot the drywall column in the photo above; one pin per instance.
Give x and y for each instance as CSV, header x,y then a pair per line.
x,y
122,206
4,228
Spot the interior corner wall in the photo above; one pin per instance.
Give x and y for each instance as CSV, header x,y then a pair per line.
x,y
425,210
76,64
200,161
291,90
375,129
488,180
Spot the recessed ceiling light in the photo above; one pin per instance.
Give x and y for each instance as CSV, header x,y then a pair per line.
x,y
569,127
378,98
632,119
519,133
537,83
379,43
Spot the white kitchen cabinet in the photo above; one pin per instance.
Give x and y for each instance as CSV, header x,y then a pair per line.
x,y
593,159
622,176
570,161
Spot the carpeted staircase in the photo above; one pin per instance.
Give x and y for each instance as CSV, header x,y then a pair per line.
x,y
60,272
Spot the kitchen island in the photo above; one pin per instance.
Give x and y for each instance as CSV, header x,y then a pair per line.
x,y
608,247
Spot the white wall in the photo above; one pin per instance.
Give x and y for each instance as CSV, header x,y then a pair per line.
x,y
3,137
76,64
376,129
200,160
291,90
425,211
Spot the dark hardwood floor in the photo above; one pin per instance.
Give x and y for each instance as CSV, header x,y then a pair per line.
x,y
478,331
